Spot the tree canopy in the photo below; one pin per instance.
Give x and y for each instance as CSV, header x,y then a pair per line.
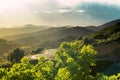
x,y
72,62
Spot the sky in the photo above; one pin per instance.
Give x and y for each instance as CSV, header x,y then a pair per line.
x,y
58,12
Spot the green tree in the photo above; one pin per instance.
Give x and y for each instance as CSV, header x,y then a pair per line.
x,y
76,59
63,74
15,55
45,68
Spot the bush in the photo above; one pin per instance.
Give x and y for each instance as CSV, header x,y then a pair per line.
x,y
38,50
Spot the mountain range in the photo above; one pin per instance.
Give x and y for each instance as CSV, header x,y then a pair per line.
x,y
29,28
50,34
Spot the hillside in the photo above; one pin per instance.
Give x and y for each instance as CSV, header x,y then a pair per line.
x,y
20,30
108,24
5,46
92,28
106,41
100,27
51,34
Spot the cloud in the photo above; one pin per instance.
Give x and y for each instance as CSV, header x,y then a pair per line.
x,y
92,14
80,11
63,11
70,10
110,2
60,11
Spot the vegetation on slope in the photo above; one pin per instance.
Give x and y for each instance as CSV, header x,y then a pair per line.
x,y
5,46
108,24
106,41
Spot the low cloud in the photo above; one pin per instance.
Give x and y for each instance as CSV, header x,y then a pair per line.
x,y
63,11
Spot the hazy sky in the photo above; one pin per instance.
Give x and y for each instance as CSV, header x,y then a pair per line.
x,y
58,12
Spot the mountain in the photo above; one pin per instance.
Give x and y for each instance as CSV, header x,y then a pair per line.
x,y
29,28
111,23
50,34
106,41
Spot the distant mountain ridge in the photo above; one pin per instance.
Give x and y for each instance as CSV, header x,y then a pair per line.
x,y
20,30
30,28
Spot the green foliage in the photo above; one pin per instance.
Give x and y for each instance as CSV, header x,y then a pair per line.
x,y
105,41
3,73
75,59
107,32
63,74
72,62
104,77
107,35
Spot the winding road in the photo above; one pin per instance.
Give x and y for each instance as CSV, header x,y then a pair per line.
x,y
49,54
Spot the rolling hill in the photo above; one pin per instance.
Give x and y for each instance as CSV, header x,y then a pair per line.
x,y
20,30
50,34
